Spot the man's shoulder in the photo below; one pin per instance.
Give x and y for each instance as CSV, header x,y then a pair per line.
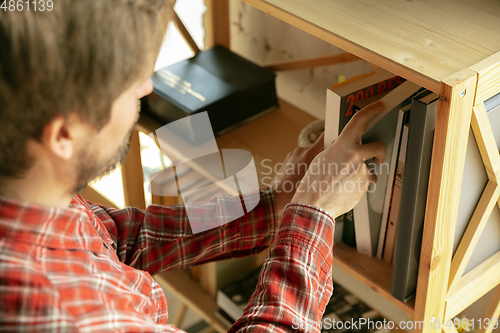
x,y
14,252
19,266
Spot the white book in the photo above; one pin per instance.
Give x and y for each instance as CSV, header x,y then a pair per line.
x,y
370,212
361,227
390,179
392,222
341,97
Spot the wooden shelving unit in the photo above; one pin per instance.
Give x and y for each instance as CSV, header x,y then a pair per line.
x,y
448,46
452,48
375,273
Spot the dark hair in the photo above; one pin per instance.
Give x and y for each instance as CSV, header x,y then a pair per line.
x,y
79,58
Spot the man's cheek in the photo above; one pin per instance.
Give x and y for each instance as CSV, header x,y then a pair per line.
x,y
129,116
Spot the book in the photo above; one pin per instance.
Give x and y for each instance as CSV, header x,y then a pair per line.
x,y
473,184
414,195
370,214
365,102
403,118
392,223
361,217
340,100
230,88
373,219
233,297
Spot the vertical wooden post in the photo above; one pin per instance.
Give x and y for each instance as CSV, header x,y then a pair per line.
x,y
208,274
216,22
445,182
132,176
160,200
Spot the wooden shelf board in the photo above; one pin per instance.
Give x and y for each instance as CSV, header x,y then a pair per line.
x,y
423,41
271,136
374,273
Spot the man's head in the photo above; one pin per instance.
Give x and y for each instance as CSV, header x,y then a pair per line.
x,y
70,80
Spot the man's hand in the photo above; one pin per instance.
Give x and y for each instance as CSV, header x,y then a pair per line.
x,y
294,168
338,177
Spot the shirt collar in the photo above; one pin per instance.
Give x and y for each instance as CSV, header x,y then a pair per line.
x,y
68,228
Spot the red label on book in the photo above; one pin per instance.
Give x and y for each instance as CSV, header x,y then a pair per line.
x,y
370,91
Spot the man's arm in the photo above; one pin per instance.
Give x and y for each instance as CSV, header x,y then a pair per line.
x,y
160,238
295,282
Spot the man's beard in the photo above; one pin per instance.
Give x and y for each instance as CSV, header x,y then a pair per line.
x,y
88,168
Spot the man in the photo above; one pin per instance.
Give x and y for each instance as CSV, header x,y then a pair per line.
x,y
70,82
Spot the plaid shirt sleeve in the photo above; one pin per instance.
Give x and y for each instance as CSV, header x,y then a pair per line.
x,y
59,272
295,283
160,238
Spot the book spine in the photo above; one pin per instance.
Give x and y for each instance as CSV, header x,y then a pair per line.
x,y
413,197
361,221
390,183
331,117
392,226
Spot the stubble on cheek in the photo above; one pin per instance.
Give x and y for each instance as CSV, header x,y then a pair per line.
x,y
89,167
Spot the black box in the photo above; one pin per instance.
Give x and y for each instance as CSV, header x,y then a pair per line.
x,y
230,88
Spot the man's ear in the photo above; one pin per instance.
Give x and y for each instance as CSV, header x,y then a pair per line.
x,y
59,136
144,89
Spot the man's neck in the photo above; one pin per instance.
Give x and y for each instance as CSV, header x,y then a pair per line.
x,y
37,187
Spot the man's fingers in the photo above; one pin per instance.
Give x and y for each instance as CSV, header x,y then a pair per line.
x,y
375,150
356,126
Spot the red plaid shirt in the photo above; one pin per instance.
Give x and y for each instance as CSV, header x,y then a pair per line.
x,y
85,268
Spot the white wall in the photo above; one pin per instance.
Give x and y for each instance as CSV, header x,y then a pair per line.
x,y
266,40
